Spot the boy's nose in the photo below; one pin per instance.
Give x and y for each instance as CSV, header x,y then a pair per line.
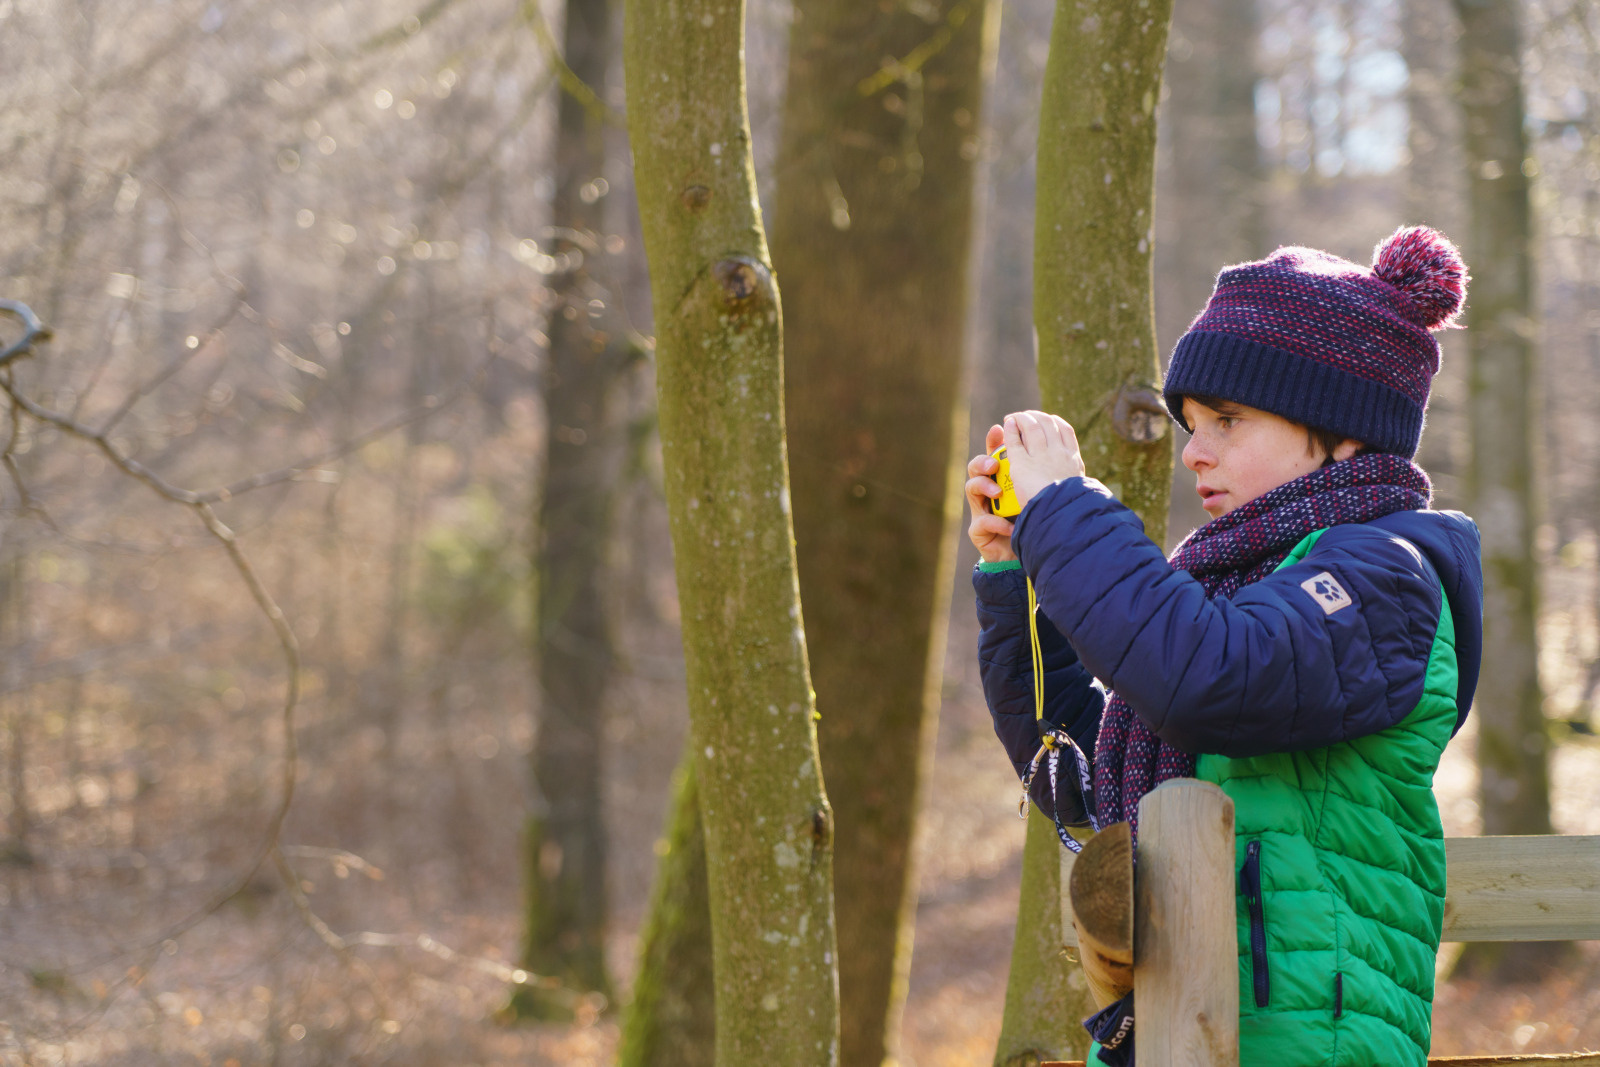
x,y
1196,456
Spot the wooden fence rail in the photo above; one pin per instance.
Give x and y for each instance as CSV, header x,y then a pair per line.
x,y
1522,889
1186,964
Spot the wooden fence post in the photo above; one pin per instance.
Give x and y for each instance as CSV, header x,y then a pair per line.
x,y
1186,960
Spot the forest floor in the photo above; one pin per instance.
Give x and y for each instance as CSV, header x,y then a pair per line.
x,y
429,948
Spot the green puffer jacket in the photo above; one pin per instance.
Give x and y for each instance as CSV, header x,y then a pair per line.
x,y
1341,866
1320,697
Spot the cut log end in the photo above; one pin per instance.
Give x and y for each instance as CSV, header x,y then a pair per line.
x,y
1102,893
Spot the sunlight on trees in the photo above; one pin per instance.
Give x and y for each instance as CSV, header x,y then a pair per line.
x,y
277,654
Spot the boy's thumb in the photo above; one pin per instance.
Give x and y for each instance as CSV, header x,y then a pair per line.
x,y
1013,436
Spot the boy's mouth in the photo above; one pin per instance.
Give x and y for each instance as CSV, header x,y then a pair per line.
x,y
1208,494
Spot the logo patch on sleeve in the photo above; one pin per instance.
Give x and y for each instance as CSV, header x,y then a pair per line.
x,y
1327,592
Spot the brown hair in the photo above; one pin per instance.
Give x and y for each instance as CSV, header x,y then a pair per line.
x,y
1327,441
1317,439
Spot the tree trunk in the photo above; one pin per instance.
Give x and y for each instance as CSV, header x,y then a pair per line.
x,y
872,227
565,833
1208,180
1433,183
1094,313
1434,196
1513,746
671,1021
1046,996
17,846
719,351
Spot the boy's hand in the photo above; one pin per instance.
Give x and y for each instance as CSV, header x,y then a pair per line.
x,y
989,532
1043,449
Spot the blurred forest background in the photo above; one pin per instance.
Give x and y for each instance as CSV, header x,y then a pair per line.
x,y
308,267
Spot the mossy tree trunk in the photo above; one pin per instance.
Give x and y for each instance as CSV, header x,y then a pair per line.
x,y
872,226
719,353
1047,996
565,868
1513,743
1095,317
1209,180
671,1021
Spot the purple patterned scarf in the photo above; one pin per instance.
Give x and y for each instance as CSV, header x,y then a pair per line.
x,y
1225,555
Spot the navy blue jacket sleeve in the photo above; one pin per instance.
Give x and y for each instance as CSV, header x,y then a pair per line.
x,y
1329,649
1073,699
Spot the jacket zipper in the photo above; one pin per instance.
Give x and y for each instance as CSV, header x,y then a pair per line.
x,y
1250,889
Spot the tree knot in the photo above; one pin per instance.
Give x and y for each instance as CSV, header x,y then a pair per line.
x,y
745,284
1137,414
821,830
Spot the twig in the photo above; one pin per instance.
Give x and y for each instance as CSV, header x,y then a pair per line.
x,y
174,365
33,330
894,70
183,358
304,466
575,86
251,89
178,495
338,944
497,969
108,352
336,856
201,503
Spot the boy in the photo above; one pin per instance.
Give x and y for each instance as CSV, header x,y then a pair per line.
x,y
1311,649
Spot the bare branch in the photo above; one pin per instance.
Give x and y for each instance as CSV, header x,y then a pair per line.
x,y
338,857
499,970
178,495
305,465
129,466
174,365
575,86
251,89
340,947
33,330
201,503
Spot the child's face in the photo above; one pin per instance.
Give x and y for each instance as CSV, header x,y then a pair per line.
x,y
1238,453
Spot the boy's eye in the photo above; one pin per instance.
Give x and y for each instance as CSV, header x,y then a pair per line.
x,y
1227,421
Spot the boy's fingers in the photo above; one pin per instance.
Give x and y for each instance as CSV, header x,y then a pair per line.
x,y
994,438
992,524
1049,428
982,486
1011,436
982,465
1031,433
1069,436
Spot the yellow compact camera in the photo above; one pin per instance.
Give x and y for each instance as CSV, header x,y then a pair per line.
x,y
1006,505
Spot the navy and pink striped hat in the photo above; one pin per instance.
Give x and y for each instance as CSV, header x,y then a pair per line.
x,y
1326,343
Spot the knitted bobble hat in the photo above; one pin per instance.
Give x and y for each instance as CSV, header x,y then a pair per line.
x,y
1326,343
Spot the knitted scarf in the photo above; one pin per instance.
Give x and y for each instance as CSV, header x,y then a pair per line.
x,y
1225,555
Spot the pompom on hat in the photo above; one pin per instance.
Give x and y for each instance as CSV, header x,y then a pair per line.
x,y
1326,343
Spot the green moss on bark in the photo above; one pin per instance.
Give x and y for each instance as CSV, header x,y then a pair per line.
x,y
1095,319
1046,995
768,827
671,1020
1093,242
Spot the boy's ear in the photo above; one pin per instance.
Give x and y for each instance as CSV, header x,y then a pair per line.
x,y
1346,448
